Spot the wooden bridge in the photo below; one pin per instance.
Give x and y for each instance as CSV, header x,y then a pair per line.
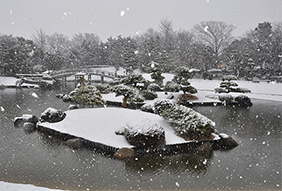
x,y
78,72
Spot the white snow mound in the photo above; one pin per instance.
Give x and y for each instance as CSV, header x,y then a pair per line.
x,y
100,124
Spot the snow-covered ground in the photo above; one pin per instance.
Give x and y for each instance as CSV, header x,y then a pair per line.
x,y
5,186
100,124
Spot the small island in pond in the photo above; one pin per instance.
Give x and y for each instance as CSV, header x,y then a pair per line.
x,y
126,133
133,127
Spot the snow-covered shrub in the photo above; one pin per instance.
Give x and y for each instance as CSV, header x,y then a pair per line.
x,y
227,84
133,79
221,90
121,89
87,95
102,88
229,78
157,76
161,105
149,95
181,78
130,94
154,87
225,97
172,87
148,108
187,122
239,89
137,98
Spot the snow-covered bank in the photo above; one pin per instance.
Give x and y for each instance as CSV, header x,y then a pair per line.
x,y
5,186
265,91
11,81
100,124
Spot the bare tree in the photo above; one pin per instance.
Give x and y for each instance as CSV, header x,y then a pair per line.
x,y
216,35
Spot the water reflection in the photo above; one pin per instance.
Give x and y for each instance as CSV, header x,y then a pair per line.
x,y
152,164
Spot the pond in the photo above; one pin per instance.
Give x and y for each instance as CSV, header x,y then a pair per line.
x,y
38,159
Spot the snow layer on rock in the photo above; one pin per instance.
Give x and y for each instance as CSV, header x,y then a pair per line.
x,y
223,135
99,125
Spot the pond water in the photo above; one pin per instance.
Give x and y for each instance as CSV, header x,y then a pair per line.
x,y
34,158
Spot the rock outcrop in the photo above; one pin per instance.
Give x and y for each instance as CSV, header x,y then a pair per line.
x,y
243,101
26,121
124,153
227,142
52,115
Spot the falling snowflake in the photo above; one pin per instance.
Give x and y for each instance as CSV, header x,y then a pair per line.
x,y
122,13
34,95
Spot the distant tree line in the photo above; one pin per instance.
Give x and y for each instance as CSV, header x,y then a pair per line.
x,y
207,45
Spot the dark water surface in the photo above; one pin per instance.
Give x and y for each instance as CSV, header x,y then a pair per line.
x,y
37,159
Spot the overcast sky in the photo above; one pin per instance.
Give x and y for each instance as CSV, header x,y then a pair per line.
x,y
107,18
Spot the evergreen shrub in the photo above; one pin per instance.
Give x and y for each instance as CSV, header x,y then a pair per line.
x,y
187,122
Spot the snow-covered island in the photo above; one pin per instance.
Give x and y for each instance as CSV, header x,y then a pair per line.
x,y
125,132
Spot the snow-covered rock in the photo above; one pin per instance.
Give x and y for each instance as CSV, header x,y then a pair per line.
x,y
52,115
142,132
243,101
25,118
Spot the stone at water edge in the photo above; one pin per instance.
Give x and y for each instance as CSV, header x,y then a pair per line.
x,y
72,107
243,101
227,142
75,143
52,115
29,127
19,121
124,153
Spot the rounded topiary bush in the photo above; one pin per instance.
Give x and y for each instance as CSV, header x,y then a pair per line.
x,y
148,108
161,105
154,87
229,78
87,95
227,84
149,95
225,98
172,87
103,88
188,123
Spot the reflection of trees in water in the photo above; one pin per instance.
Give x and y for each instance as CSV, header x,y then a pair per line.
x,y
184,162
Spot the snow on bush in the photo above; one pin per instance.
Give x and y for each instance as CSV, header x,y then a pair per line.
x,y
148,107
162,105
229,78
133,79
154,87
227,85
87,95
172,87
148,94
102,88
129,93
143,126
187,122
225,97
